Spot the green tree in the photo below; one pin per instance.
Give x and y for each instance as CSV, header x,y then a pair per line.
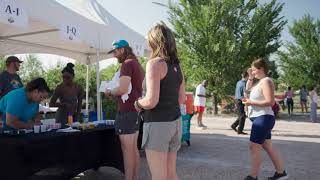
x,y
30,69
53,75
218,39
300,62
2,63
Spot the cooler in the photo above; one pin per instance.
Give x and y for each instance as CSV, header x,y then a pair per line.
x,y
186,118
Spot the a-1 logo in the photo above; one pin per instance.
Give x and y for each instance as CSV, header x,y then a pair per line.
x,y
9,10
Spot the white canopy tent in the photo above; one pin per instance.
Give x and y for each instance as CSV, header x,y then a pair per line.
x,y
78,29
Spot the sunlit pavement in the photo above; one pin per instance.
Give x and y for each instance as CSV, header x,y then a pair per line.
x,y
218,153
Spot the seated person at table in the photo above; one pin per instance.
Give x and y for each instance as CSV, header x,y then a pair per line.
x,y
20,106
69,94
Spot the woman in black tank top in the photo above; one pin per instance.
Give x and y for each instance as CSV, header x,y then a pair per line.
x,y
160,106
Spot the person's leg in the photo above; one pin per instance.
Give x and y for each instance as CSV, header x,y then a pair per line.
x,y
306,105
276,160
171,166
315,113
312,112
157,162
137,157
260,131
129,147
301,105
236,122
255,155
200,118
242,118
292,103
274,155
288,105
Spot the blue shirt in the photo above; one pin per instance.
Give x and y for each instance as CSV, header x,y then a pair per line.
x,y
17,104
240,88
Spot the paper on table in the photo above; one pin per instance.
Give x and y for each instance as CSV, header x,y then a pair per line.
x,y
69,129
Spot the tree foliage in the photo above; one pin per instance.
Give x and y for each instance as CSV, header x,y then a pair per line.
x,y
218,39
300,62
31,68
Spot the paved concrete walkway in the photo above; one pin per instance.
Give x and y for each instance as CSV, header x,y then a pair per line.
x,y
218,153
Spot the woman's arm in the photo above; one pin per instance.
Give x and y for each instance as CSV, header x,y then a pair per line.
x,y
124,83
249,83
54,98
182,93
37,118
15,123
154,70
79,100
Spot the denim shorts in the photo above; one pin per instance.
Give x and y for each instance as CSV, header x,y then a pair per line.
x,y
162,136
261,128
126,123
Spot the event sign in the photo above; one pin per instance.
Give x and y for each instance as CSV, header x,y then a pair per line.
x,y
13,13
70,32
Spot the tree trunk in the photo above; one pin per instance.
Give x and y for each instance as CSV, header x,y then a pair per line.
x,y
215,104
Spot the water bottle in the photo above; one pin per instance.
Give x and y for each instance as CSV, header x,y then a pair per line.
x,y
85,117
183,109
70,119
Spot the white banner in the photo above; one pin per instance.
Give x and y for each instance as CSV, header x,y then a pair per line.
x,y
13,13
70,32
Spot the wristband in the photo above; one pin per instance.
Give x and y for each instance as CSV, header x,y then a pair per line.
x,y
138,105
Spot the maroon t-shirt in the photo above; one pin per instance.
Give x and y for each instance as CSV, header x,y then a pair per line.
x,y
133,69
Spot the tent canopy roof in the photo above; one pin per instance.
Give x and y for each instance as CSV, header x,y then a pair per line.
x,y
46,30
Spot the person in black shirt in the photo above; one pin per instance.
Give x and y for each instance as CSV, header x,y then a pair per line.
x,y
162,129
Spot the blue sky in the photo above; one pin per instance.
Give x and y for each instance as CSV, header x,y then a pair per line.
x,y
141,15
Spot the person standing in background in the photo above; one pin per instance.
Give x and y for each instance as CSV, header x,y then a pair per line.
x,y
314,104
303,98
127,121
239,95
162,130
289,96
200,102
9,79
70,96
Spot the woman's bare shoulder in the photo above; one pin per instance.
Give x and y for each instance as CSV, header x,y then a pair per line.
x,y
156,60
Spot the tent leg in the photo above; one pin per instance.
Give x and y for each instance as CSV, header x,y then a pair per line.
x,y
98,84
87,90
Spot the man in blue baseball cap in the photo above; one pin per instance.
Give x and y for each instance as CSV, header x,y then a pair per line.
x,y
118,44
127,121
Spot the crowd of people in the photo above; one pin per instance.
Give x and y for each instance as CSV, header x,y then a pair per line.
x,y
155,98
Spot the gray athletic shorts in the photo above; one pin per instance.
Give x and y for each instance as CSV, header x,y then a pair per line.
x,y
162,136
126,123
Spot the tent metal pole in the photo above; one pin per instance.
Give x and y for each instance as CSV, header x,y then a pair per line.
x,y
98,81
87,85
